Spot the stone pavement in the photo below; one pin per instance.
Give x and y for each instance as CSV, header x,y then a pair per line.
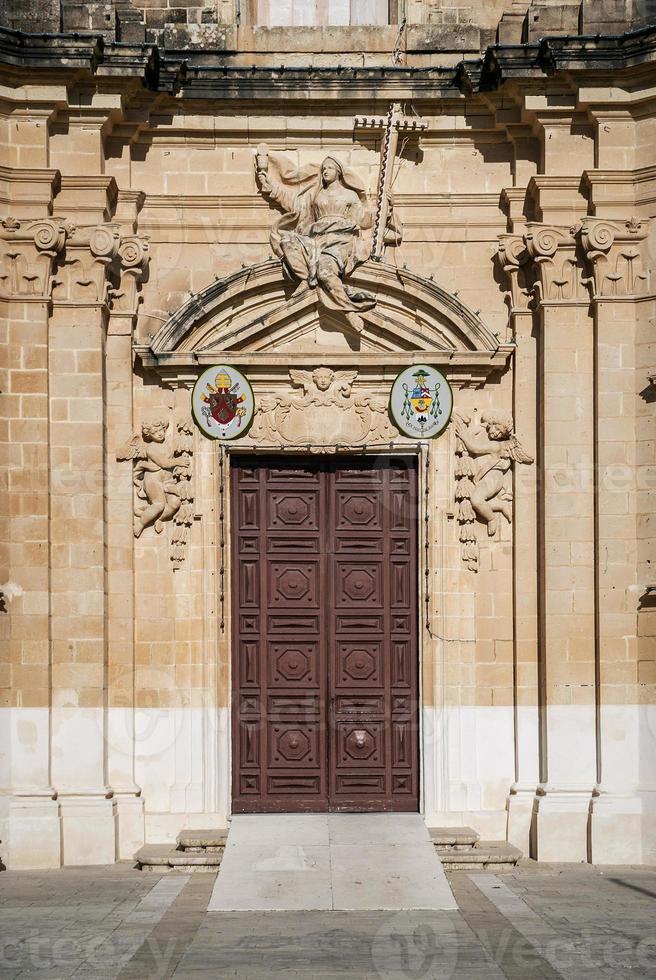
x,y
558,921
330,861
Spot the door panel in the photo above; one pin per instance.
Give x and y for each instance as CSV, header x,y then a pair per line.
x,y
325,667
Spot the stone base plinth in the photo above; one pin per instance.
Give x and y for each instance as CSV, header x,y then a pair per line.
x,y
561,822
88,830
520,819
34,834
623,830
130,825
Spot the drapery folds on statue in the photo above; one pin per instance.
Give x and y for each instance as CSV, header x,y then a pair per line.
x,y
325,229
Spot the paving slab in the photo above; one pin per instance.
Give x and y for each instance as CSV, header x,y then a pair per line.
x,y
339,862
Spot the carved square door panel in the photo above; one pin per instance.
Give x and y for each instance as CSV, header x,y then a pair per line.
x,y
325,673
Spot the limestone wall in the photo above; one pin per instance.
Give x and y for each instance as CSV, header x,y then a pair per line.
x,y
529,209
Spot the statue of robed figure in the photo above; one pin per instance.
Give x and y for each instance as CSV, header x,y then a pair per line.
x,y
325,229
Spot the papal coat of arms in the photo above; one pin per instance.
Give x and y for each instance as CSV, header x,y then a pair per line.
x,y
222,403
420,402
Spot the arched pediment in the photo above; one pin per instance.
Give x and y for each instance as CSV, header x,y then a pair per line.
x,y
255,313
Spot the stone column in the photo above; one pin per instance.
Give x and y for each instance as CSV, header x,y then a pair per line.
x,y
29,811
566,547
514,261
121,734
618,284
78,604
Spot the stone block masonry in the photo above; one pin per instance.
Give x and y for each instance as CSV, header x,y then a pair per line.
x,y
165,210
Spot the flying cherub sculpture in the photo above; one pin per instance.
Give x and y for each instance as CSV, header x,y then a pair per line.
x,y
156,476
486,451
325,229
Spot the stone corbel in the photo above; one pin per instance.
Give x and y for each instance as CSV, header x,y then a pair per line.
x,y
28,251
613,253
514,262
554,255
83,275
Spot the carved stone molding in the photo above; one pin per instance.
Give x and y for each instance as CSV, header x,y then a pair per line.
x,y
28,252
486,449
613,254
163,479
326,413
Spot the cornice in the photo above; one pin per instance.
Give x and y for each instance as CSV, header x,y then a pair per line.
x,y
204,74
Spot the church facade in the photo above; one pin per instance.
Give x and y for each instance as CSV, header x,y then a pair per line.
x,y
328,429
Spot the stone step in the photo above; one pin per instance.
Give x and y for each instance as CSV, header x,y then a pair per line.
x,y
206,841
492,855
448,839
163,858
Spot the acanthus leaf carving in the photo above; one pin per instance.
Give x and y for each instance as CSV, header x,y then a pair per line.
x,y
28,254
514,261
83,275
326,227
554,254
612,250
310,419
486,449
133,263
163,480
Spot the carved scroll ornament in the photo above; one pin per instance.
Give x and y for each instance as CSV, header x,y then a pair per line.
x,y
612,250
162,478
53,258
327,413
486,449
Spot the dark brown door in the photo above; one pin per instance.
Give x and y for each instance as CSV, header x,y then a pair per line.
x,y
325,685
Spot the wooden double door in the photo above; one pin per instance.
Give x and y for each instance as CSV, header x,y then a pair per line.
x,y
325,664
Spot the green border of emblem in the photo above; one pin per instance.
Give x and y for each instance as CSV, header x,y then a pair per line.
x,y
390,410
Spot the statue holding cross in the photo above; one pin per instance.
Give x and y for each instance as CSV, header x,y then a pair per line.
x,y
327,227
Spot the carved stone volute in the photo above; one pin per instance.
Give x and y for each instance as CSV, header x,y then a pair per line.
x,y
28,251
514,262
613,254
554,254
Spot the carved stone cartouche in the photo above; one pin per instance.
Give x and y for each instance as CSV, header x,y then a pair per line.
x,y
327,413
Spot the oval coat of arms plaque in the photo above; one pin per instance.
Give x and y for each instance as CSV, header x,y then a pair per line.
x,y
421,402
222,403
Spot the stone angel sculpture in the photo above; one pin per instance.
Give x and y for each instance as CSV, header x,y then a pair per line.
x,y
323,386
486,451
326,227
161,477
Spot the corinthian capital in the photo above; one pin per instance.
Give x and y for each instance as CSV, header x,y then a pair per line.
x,y
554,254
132,264
28,250
613,253
513,260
